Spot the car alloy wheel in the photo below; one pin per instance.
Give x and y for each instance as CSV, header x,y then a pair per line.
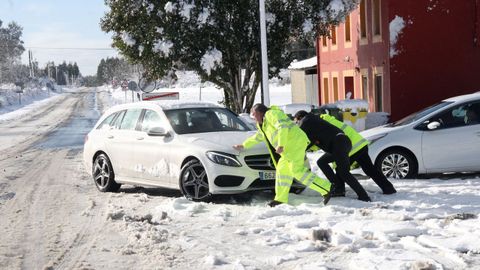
x,y
194,181
397,164
103,174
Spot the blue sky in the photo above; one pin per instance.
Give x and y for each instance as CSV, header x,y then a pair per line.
x,y
61,24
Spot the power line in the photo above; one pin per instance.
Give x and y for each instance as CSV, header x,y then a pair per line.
x,y
63,48
66,48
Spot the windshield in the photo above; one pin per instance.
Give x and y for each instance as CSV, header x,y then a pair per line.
x,y
198,120
418,115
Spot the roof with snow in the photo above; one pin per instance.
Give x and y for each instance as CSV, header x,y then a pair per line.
x,y
304,64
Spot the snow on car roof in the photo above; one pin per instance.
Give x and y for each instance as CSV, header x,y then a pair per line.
x,y
176,104
164,105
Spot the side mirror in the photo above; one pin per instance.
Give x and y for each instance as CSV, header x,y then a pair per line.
x,y
157,131
433,125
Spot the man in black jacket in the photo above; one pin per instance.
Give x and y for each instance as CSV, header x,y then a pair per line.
x,y
332,140
359,155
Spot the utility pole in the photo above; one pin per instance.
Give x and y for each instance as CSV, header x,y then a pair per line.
x,y
263,43
30,63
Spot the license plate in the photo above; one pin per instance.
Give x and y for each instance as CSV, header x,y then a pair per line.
x,y
267,175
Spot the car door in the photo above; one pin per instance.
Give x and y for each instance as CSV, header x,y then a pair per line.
x,y
121,143
151,153
455,144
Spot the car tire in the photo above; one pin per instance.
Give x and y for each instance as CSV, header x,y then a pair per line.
x,y
397,164
193,181
103,174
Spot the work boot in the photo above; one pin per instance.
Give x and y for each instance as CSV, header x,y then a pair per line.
x,y
327,197
365,199
389,191
337,191
273,203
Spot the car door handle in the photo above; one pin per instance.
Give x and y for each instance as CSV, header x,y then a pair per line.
x,y
140,138
110,136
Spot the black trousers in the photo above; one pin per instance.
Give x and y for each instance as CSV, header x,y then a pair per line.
x,y
341,147
365,162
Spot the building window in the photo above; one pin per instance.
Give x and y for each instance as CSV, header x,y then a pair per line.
x,y
378,92
324,41
377,28
335,89
348,37
363,20
325,91
365,87
333,31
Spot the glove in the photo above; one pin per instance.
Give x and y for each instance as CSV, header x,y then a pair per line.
x,y
273,203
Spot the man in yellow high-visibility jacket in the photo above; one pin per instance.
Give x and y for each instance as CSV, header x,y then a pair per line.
x,y
287,144
358,153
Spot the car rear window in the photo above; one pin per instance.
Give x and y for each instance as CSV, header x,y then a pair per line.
x,y
107,122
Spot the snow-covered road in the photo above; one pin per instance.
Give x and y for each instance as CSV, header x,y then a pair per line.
x,y
52,216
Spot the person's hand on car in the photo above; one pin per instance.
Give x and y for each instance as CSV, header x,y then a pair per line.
x,y
238,147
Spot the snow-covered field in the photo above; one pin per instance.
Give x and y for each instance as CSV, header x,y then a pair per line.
x,y
190,88
52,216
10,100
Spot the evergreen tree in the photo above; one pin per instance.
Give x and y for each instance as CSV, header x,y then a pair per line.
x,y
11,48
90,81
217,39
100,68
62,74
76,70
113,68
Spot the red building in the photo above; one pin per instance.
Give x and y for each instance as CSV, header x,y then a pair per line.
x,y
402,55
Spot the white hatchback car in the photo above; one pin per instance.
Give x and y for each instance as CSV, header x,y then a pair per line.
x,y
177,145
442,138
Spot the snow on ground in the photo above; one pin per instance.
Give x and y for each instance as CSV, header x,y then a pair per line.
x,y
428,224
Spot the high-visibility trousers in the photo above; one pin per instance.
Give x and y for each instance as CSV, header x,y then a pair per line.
x,y
293,166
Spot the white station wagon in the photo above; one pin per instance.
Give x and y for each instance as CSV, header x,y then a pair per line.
x,y
442,138
177,145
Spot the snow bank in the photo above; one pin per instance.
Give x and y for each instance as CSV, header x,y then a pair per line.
x,y
13,98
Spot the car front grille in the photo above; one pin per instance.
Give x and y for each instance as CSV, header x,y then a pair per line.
x,y
260,162
228,181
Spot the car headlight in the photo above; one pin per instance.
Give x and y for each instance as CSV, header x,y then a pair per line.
x,y
223,159
377,137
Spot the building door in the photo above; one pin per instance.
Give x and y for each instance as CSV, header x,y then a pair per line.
x,y
349,88
378,92
311,85
325,100
335,89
